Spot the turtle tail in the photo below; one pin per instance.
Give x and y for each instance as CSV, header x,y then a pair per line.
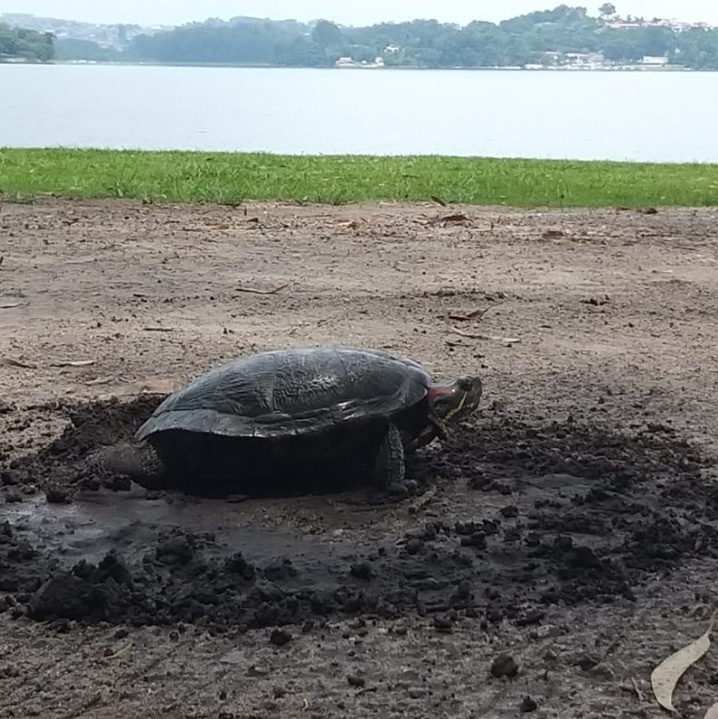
x,y
140,462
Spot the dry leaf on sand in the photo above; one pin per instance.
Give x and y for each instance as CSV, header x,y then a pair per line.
x,y
667,674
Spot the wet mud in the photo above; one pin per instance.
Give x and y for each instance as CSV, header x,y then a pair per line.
x,y
563,513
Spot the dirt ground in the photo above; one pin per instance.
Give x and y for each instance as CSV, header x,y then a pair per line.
x,y
561,544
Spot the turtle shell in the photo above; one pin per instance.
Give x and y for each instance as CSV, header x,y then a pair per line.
x,y
292,393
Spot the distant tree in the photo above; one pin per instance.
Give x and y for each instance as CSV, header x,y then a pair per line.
x,y
326,34
697,48
26,44
623,45
607,10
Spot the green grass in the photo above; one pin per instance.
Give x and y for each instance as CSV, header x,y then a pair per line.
x,y
232,178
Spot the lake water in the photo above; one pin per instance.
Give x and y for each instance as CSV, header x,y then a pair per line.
x,y
652,116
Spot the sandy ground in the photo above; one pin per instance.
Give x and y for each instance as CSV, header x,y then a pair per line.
x,y
603,324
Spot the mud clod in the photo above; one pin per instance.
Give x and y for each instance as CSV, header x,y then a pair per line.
x,y
504,665
362,570
443,625
280,637
57,495
528,705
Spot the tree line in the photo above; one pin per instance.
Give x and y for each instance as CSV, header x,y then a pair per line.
x,y
517,42
427,43
23,44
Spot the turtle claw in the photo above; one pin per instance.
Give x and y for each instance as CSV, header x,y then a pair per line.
x,y
441,431
400,491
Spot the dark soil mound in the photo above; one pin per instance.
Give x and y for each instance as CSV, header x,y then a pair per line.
x,y
579,513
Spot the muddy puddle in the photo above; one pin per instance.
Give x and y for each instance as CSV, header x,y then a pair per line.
x,y
514,515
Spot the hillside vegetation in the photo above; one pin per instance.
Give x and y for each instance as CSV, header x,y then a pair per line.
x,y
23,44
536,38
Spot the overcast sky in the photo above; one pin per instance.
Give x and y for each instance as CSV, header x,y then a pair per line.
x,y
357,12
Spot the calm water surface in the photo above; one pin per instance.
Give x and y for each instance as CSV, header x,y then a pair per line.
x,y
652,116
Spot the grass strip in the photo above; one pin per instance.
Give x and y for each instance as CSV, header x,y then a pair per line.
x,y
180,176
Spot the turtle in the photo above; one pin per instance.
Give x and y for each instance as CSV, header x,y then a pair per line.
x,y
288,410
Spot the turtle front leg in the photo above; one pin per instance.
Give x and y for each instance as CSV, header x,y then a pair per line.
x,y
435,428
390,466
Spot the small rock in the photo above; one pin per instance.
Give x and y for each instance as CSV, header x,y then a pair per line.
x,y
356,681
504,666
8,478
177,550
545,631
280,637
443,625
510,511
502,488
416,692
414,545
477,540
463,591
362,570
602,670
56,495
586,662
528,705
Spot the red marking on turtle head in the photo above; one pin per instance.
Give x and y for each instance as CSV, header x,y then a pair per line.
x,y
439,391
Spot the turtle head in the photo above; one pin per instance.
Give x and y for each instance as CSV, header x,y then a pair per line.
x,y
457,399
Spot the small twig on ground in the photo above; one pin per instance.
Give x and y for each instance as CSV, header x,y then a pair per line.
x,y
438,200
99,380
456,217
10,362
474,314
122,651
158,329
637,689
257,291
477,336
73,363
9,305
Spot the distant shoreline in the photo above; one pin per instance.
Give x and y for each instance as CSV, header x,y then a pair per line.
x,y
574,69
